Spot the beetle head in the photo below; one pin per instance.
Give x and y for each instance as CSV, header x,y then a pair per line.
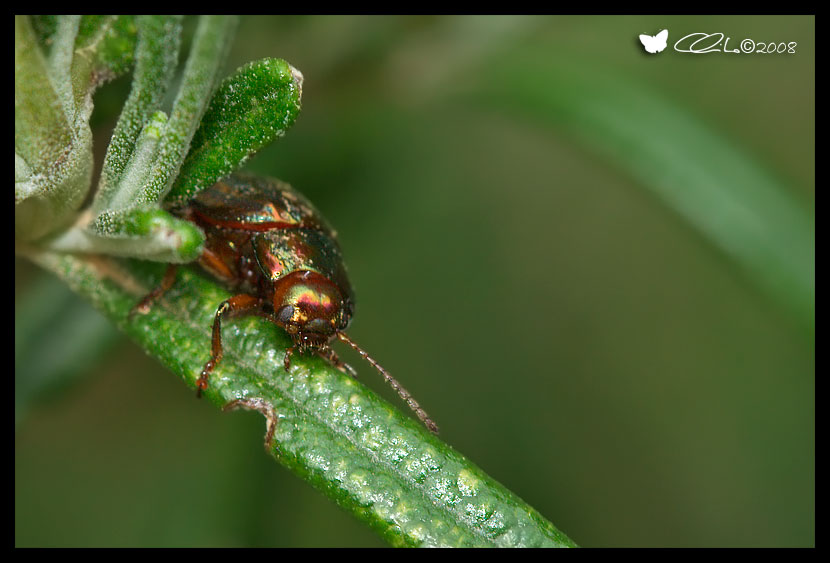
x,y
310,308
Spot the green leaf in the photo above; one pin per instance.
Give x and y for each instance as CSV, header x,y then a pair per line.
x,y
61,56
55,150
53,102
250,109
204,63
88,52
41,129
147,232
142,154
373,461
44,27
157,52
107,43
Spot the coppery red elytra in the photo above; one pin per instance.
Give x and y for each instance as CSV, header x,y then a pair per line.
x,y
267,243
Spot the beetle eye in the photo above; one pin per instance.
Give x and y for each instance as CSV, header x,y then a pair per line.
x,y
285,314
343,321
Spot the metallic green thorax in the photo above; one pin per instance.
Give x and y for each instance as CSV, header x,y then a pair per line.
x,y
283,251
251,202
259,230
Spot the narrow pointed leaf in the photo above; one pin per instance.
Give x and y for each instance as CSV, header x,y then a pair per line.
x,y
157,52
334,432
146,232
728,196
200,76
108,43
250,109
51,317
60,64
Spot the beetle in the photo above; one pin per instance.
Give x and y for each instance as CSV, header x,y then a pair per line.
x,y
266,242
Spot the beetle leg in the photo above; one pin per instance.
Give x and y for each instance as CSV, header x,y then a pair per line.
x,y
242,304
287,360
329,354
143,306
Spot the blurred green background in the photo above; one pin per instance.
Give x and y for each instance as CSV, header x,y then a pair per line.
x,y
594,341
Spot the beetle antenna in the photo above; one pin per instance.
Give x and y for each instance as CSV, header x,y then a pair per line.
x,y
404,394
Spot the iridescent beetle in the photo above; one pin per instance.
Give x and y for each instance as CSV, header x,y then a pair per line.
x,y
266,241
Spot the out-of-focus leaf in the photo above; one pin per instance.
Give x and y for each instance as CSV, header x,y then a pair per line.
x,y
727,195
57,338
